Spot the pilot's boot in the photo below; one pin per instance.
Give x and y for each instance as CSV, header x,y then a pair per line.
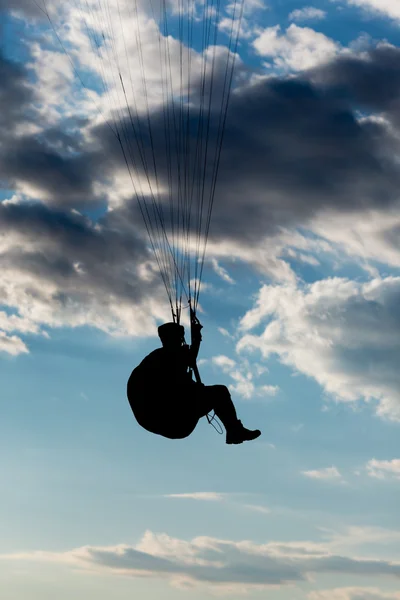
x,y
237,434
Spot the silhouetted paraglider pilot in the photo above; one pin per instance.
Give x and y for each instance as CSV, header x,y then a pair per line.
x,y
167,401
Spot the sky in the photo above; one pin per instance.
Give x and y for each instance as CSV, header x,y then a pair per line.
x,y
299,302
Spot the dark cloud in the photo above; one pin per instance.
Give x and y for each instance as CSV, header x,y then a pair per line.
x,y
295,147
64,179
371,81
15,96
50,161
350,566
220,562
240,565
292,149
73,253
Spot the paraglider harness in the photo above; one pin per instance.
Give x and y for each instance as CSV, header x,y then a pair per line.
x,y
194,370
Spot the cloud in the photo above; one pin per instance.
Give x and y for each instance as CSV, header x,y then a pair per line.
x,y
289,133
353,593
12,344
328,474
295,155
225,332
362,537
226,363
387,8
61,269
369,237
297,49
244,374
250,6
221,271
309,157
22,7
342,333
15,94
307,13
383,469
249,19
220,497
264,510
207,496
268,390
214,563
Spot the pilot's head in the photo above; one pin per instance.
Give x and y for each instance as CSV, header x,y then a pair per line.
x,y
171,335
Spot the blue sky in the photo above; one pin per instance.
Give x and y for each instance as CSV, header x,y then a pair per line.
x,y
299,306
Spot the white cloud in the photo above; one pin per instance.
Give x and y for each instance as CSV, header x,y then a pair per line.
x,y
388,8
353,593
307,13
226,363
342,333
248,26
223,273
383,469
297,49
207,496
363,537
268,390
225,332
257,508
250,6
265,256
328,474
54,79
370,235
12,344
10,323
243,375
61,303
301,257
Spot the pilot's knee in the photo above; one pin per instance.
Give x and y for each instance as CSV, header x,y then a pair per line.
x,y
222,390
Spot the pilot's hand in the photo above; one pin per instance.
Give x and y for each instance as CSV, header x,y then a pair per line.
x,y
195,323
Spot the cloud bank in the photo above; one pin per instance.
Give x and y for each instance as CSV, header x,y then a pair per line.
x,y
216,564
296,155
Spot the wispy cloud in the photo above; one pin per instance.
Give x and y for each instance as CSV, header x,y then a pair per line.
x,y
207,496
307,13
244,376
354,593
223,273
341,541
226,363
327,474
384,469
258,508
225,333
